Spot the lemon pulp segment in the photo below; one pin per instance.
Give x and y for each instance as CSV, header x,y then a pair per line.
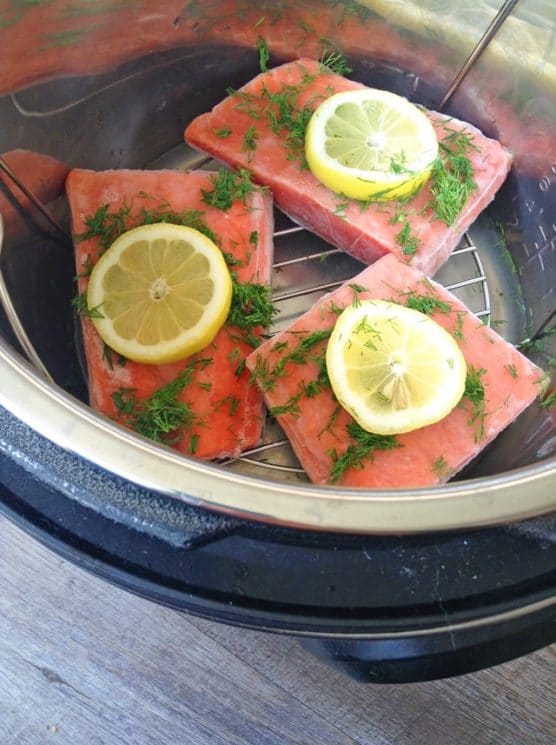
x,y
370,144
393,368
163,292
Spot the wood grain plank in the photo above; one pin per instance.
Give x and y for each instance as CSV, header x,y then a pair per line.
x,y
83,662
511,703
104,666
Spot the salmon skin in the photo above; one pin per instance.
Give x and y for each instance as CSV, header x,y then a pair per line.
x,y
291,372
242,130
226,408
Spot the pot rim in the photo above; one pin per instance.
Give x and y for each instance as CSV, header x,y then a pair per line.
x,y
71,424
55,414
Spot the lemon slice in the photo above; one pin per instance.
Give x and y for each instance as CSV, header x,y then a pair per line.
x,y
163,292
393,368
370,144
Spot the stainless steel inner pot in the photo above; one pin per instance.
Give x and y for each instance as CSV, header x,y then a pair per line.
x,y
114,86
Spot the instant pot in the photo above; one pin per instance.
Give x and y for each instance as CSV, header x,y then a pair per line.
x,y
393,585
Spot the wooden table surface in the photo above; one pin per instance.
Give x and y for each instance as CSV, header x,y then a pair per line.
x,y
83,662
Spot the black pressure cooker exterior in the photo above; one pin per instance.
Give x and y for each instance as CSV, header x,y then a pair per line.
x,y
385,608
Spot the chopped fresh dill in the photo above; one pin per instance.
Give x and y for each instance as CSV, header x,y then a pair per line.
x,y
451,181
227,187
405,237
254,238
299,355
340,209
264,54
108,357
475,393
160,417
306,390
250,142
398,163
357,288
334,62
106,226
232,401
334,308
361,449
440,466
79,302
231,260
240,368
189,218
251,308
284,115
539,343
293,120
407,240
193,443
549,400
291,407
427,304
223,132
87,265
355,299
512,370
457,333
332,423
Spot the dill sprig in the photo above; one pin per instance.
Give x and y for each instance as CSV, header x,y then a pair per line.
x,y
427,304
283,113
286,117
266,376
79,303
512,370
160,416
408,241
251,308
475,392
306,390
300,354
361,449
440,466
451,181
227,187
264,54
106,226
334,61
549,400
250,142
189,218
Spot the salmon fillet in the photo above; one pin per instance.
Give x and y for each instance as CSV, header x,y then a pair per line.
x,y
290,370
42,175
241,131
227,409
